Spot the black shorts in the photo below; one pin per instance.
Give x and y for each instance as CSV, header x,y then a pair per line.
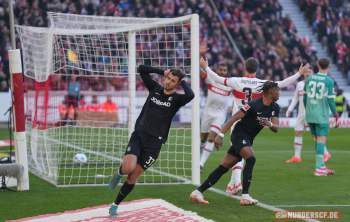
x,y
238,141
145,148
72,100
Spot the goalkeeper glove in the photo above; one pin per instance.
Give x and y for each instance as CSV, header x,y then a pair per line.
x,y
336,120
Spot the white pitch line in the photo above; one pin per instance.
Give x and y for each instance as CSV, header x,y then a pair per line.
x,y
114,158
272,208
268,207
292,151
313,206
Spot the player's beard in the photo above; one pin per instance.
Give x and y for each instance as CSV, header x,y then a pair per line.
x,y
167,87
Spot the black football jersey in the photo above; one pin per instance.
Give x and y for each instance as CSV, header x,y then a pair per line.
x,y
159,108
254,111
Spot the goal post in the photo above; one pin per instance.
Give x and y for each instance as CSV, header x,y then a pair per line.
x,y
83,95
18,116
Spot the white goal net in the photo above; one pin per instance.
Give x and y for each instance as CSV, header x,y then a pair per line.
x,y
83,95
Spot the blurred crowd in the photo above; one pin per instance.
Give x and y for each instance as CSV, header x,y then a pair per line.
x,y
257,27
330,20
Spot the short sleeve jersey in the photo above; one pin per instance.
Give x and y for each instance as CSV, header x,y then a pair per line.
x,y
318,88
254,111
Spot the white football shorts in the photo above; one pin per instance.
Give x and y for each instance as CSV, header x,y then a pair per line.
x,y
214,123
300,124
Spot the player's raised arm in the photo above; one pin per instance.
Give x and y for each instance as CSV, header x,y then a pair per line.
x,y
146,78
286,82
237,116
211,73
202,49
293,103
202,73
189,94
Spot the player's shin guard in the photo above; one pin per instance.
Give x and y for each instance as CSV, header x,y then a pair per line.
x,y
236,173
298,143
247,173
319,155
213,178
124,191
207,151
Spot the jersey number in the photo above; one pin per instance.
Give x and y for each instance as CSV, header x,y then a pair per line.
x,y
319,87
247,96
150,161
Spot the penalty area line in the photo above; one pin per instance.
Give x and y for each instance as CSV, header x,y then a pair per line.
x,y
268,207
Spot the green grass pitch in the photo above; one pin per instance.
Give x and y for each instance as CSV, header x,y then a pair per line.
x,y
274,183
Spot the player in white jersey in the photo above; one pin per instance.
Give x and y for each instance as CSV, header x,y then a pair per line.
x,y
300,124
215,109
244,90
215,112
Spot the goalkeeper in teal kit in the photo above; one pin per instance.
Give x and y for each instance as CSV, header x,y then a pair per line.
x,y
318,98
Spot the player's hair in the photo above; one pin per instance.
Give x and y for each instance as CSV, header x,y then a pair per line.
x,y
251,65
178,73
222,64
311,67
324,63
267,86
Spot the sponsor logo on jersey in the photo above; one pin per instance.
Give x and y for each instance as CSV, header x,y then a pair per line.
x,y
318,77
218,90
244,142
250,82
246,107
128,149
170,98
261,118
258,113
158,102
273,113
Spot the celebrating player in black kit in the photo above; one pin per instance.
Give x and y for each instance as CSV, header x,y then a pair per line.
x,y
151,129
258,113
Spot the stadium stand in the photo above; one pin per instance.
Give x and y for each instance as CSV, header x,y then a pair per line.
x,y
330,20
256,26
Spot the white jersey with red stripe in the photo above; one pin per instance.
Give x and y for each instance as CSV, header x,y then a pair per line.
x,y
298,97
218,96
247,88
244,90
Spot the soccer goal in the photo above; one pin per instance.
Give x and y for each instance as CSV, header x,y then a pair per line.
x,y
83,95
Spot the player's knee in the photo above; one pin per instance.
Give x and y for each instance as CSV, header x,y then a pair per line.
x,y
127,169
250,161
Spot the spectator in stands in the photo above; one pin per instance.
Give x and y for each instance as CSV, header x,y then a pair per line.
x,y
94,105
259,22
73,95
110,106
63,110
281,49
